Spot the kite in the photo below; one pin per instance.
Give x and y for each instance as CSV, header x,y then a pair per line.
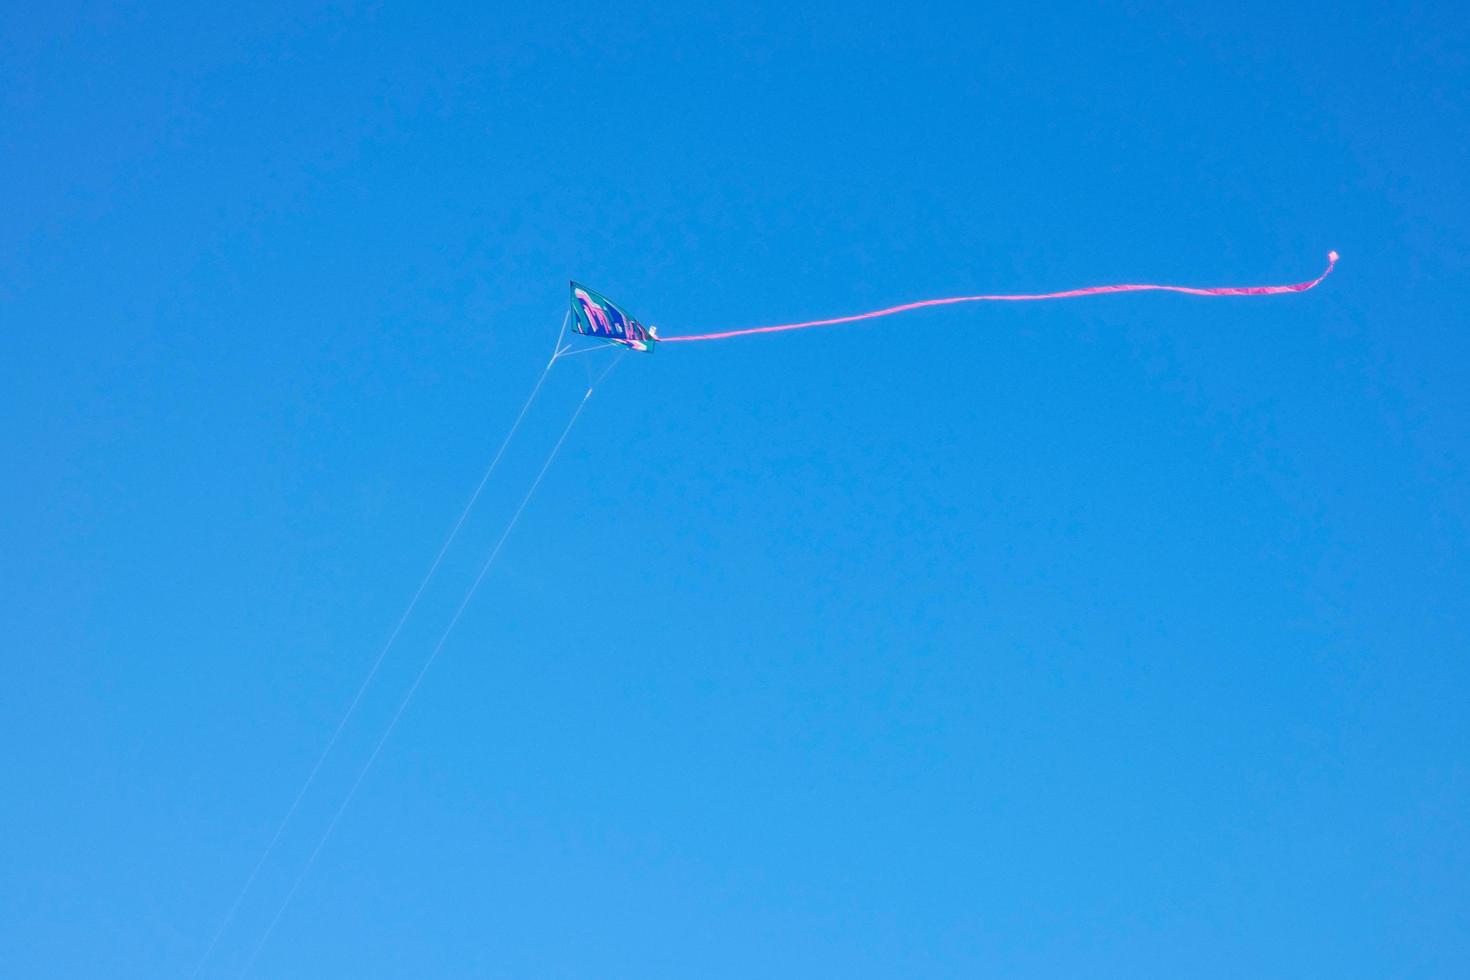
x,y
594,315
597,316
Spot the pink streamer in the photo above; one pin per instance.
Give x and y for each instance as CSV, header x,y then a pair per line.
x,y
1297,287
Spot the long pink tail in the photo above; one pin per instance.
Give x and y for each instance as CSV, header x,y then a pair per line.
x,y
1296,287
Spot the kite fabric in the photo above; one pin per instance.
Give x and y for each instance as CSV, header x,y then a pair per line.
x,y
1298,287
594,315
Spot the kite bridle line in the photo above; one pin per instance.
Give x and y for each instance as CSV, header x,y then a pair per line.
x,y
568,352
372,672
1298,287
429,662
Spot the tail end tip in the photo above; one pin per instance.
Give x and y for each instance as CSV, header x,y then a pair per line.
x,y
1332,256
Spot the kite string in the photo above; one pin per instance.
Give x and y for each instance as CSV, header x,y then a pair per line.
x,y
423,671
1298,287
378,661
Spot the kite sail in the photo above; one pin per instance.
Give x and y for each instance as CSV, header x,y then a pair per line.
x,y
1296,287
594,315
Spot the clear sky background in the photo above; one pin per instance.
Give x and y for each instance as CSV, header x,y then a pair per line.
x,y
1123,637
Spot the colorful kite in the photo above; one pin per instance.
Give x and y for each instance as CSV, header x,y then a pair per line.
x,y
594,315
597,316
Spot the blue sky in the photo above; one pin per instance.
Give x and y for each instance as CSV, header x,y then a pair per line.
x,y
1124,637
